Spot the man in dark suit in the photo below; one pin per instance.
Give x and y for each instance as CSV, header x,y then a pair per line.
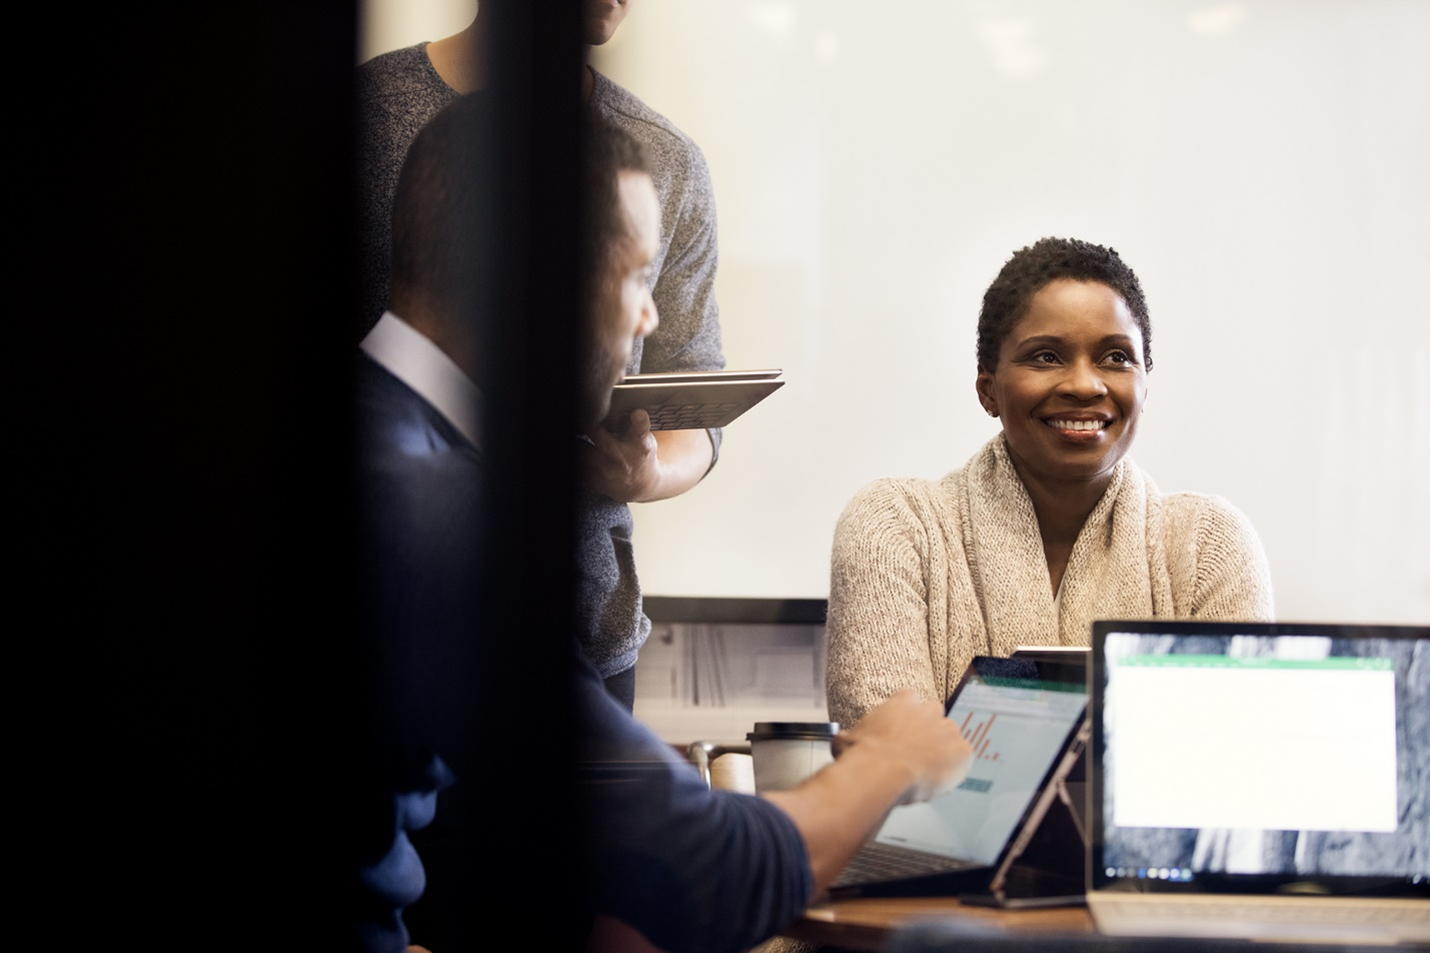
x,y
419,495
666,860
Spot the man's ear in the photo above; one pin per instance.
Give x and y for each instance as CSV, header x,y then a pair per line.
x,y
984,385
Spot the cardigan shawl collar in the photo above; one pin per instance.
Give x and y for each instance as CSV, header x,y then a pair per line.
x,y
1117,568
927,574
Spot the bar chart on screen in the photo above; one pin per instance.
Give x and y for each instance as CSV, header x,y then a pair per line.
x,y
977,736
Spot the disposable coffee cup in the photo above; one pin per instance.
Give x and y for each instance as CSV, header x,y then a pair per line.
x,y
787,752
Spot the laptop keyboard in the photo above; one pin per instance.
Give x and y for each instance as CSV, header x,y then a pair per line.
x,y
877,862
689,416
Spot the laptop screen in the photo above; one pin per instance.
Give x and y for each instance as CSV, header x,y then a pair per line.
x,y
1251,756
1018,716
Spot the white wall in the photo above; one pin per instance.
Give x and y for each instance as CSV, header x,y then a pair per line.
x,y
1261,164
393,24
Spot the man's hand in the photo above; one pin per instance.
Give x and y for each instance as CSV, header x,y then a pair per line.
x,y
625,468
915,734
642,465
904,750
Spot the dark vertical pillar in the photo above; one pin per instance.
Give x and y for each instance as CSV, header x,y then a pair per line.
x,y
187,289
185,276
537,58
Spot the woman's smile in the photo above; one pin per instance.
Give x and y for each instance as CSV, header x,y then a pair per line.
x,y
1081,429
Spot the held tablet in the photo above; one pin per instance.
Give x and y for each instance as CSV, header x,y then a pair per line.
x,y
690,401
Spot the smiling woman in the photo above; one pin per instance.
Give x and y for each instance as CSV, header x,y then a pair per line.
x,y
1069,384
1049,526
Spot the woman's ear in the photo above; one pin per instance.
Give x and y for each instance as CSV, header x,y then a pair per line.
x,y
984,386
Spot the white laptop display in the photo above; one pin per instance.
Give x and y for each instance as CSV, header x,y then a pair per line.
x,y
1261,781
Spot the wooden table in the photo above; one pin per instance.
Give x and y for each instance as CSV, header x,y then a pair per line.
x,y
866,923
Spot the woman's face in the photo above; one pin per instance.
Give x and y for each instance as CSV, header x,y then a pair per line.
x,y
1069,385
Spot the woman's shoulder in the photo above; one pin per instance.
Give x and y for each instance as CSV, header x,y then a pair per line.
x,y
1205,518
1217,564
897,515
914,499
891,497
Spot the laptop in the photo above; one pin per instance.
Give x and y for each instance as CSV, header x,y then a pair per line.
x,y
1260,781
692,400
1027,723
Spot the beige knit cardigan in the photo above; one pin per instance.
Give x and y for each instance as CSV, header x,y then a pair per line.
x,y
927,574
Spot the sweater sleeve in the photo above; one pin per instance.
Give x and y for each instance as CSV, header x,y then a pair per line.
x,y
688,338
877,630
1224,557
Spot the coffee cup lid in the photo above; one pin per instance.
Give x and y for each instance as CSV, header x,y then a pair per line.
x,y
793,731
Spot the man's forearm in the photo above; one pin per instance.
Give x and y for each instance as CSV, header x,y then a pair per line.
x,y
837,809
684,459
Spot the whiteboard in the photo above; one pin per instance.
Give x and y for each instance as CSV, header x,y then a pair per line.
x,y
1262,165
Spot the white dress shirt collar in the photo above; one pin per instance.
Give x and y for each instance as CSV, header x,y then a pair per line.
x,y
412,358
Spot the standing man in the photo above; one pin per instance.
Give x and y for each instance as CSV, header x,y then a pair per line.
x,y
398,93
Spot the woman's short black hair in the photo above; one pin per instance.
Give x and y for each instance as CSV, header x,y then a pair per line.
x,y
1046,261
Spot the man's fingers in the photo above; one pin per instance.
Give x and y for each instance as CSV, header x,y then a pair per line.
x,y
955,777
602,439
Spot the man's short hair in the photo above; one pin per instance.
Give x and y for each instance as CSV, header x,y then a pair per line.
x,y
441,206
1031,269
443,199
610,151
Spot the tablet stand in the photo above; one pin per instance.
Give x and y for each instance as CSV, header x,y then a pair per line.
x,y
1046,865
